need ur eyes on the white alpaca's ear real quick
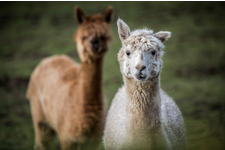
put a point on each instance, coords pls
(163, 35)
(123, 30)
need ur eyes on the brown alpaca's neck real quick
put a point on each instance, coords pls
(91, 80)
(143, 103)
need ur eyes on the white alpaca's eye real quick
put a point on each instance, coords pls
(128, 53)
(153, 53)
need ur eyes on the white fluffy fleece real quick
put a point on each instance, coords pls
(143, 39)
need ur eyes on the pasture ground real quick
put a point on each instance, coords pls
(193, 70)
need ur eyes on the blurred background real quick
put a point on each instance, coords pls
(193, 69)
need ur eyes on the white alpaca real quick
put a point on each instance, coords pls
(142, 116)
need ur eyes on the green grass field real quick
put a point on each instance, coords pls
(193, 69)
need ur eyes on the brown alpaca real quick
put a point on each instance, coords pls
(67, 98)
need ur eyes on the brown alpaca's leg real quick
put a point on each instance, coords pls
(68, 145)
(91, 144)
(43, 133)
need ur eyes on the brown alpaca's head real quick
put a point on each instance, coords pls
(93, 35)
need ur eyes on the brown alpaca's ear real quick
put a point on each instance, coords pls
(79, 15)
(123, 30)
(108, 14)
(163, 35)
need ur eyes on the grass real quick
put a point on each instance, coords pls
(193, 69)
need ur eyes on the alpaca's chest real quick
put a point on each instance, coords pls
(137, 141)
(145, 139)
(142, 134)
(137, 136)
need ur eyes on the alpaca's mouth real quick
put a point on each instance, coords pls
(98, 51)
(141, 77)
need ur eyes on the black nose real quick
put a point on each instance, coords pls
(140, 67)
(95, 44)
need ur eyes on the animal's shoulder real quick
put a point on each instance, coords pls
(172, 116)
(173, 121)
(169, 108)
(117, 111)
(119, 101)
(115, 129)
(61, 65)
(58, 61)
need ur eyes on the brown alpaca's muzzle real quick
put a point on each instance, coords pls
(95, 44)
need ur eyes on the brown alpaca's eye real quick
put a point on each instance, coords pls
(128, 53)
(103, 38)
(153, 53)
(84, 38)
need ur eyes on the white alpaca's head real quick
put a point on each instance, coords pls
(141, 52)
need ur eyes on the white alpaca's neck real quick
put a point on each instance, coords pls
(144, 102)
(144, 112)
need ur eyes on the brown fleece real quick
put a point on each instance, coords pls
(67, 98)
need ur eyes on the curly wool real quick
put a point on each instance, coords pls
(143, 39)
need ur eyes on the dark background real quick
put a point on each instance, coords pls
(193, 70)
